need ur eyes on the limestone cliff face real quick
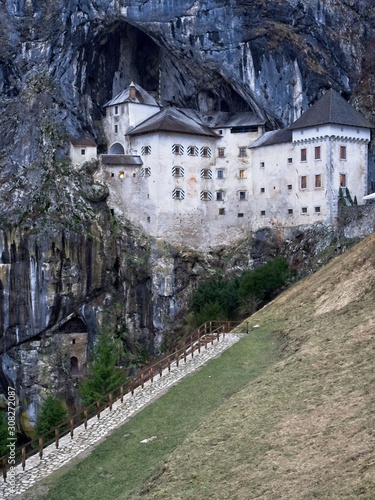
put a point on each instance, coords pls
(63, 255)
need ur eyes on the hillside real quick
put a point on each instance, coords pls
(300, 426)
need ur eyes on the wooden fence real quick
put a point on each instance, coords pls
(205, 334)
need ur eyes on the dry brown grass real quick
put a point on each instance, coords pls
(306, 428)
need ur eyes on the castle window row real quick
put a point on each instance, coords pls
(205, 152)
(318, 154)
(303, 182)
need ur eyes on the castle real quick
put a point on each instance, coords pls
(209, 179)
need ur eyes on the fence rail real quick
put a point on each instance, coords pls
(204, 335)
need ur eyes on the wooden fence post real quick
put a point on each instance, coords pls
(57, 437)
(169, 364)
(192, 347)
(176, 357)
(40, 447)
(23, 458)
(160, 369)
(151, 374)
(184, 347)
(110, 401)
(85, 418)
(122, 393)
(199, 341)
(98, 409)
(71, 423)
(142, 380)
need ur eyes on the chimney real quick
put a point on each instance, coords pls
(132, 91)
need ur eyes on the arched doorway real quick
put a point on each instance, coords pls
(116, 149)
(74, 369)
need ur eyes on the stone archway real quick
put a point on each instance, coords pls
(116, 149)
(74, 367)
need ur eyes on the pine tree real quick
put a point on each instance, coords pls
(104, 377)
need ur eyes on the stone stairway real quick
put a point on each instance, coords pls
(85, 440)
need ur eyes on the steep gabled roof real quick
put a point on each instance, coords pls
(172, 120)
(141, 97)
(273, 137)
(331, 109)
(83, 141)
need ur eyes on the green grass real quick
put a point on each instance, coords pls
(121, 466)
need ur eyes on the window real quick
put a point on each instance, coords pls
(220, 174)
(242, 195)
(145, 150)
(192, 151)
(178, 171)
(112, 174)
(83, 151)
(290, 187)
(206, 196)
(116, 110)
(342, 180)
(303, 154)
(317, 210)
(178, 194)
(240, 214)
(290, 160)
(146, 172)
(242, 174)
(148, 219)
(303, 182)
(221, 211)
(317, 153)
(206, 152)
(116, 129)
(290, 211)
(206, 173)
(121, 174)
(262, 213)
(342, 152)
(262, 190)
(219, 195)
(177, 149)
(221, 152)
(261, 164)
(304, 210)
(242, 152)
(318, 181)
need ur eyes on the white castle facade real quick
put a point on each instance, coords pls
(206, 180)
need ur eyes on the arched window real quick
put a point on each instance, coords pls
(116, 149)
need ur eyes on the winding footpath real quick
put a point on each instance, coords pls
(85, 440)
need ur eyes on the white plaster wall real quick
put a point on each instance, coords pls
(78, 158)
(344, 132)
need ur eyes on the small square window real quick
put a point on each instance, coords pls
(262, 190)
(121, 174)
(242, 174)
(342, 180)
(242, 152)
(112, 174)
(342, 152)
(83, 151)
(240, 214)
(221, 211)
(262, 213)
(290, 187)
(206, 152)
(221, 152)
(220, 174)
(303, 182)
(290, 211)
(290, 160)
(317, 210)
(219, 195)
(73, 341)
(242, 195)
(303, 154)
(261, 164)
(304, 210)
(317, 153)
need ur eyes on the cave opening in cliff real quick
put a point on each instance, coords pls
(120, 55)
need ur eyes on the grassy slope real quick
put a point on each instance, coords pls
(299, 427)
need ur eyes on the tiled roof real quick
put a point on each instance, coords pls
(141, 97)
(331, 109)
(273, 137)
(172, 120)
(124, 160)
(83, 141)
